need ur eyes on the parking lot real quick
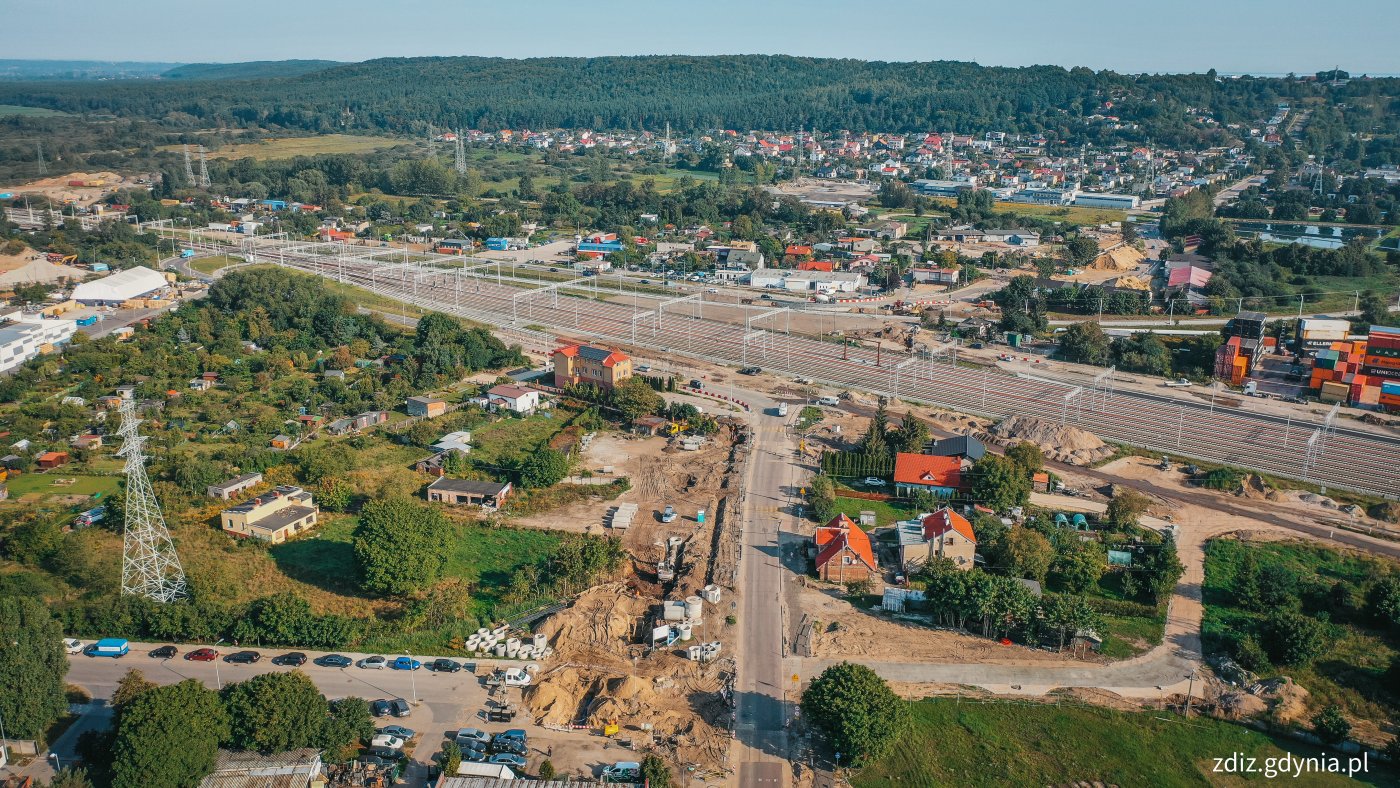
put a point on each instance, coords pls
(440, 703)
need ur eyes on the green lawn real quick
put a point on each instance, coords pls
(43, 483)
(291, 147)
(1018, 744)
(500, 444)
(208, 265)
(32, 112)
(886, 512)
(1350, 673)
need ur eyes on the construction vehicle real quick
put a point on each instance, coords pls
(61, 259)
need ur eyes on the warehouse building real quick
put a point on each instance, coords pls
(122, 286)
(28, 336)
(821, 281)
(1117, 202)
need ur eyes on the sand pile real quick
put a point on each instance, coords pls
(1060, 442)
(1118, 258)
(1132, 283)
(1240, 705)
(1287, 700)
(1254, 488)
(598, 627)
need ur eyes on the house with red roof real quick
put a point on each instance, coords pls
(602, 367)
(948, 534)
(844, 552)
(941, 476)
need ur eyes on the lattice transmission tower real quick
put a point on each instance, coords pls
(189, 170)
(461, 151)
(150, 567)
(203, 169)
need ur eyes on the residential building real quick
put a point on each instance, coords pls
(948, 534)
(226, 490)
(935, 275)
(291, 769)
(844, 552)
(579, 364)
(941, 476)
(51, 459)
(964, 447)
(274, 516)
(469, 491)
(425, 406)
(513, 398)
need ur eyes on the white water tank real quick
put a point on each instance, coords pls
(685, 631)
(692, 653)
(540, 641)
(711, 594)
(500, 631)
(694, 608)
(483, 632)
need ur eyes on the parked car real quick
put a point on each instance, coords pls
(334, 661)
(389, 754)
(874, 481)
(518, 734)
(386, 740)
(444, 666)
(243, 657)
(830, 402)
(164, 652)
(202, 655)
(473, 734)
(294, 658)
(713, 290)
(380, 708)
(767, 296)
(475, 756)
(507, 745)
(750, 371)
(399, 707)
(73, 646)
(405, 663)
(373, 663)
(622, 771)
(399, 731)
(510, 759)
(375, 760)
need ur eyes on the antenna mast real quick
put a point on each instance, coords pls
(150, 567)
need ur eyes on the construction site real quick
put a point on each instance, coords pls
(648, 661)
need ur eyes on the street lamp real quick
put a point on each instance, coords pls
(412, 682)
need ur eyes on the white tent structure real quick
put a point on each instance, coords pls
(119, 287)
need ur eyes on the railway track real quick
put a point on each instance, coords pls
(1336, 457)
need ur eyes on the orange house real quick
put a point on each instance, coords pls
(844, 553)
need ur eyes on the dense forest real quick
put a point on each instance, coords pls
(694, 93)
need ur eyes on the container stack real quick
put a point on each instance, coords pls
(1390, 395)
(1231, 363)
(1382, 353)
(1316, 334)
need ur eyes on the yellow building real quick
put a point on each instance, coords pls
(577, 364)
(274, 516)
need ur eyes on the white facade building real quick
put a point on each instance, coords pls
(25, 339)
(119, 287)
(820, 281)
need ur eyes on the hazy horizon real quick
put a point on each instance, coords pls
(1273, 37)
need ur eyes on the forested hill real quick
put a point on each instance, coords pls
(767, 92)
(257, 69)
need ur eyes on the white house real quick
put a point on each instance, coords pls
(513, 398)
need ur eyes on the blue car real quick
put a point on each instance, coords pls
(405, 663)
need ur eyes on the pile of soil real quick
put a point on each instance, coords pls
(1060, 442)
(1253, 487)
(1119, 258)
(1238, 705)
(1132, 283)
(595, 628)
(1386, 512)
(1287, 701)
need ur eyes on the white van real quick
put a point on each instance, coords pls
(622, 771)
(829, 401)
(782, 409)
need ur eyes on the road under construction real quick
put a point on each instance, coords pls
(536, 315)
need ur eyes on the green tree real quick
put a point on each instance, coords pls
(1293, 639)
(68, 777)
(547, 770)
(821, 497)
(655, 772)
(635, 397)
(1066, 614)
(545, 468)
(1081, 250)
(349, 723)
(169, 737)
(32, 667)
(1086, 343)
(450, 757)
(1162, 570)
(1078, 565)
(856, 711)
(275, 712)
(130, 687)
(1330, 725)
(1027, 456)
(999, 483)
(1025, 553)
(912, 435)
(1126, 507)
(1383, 601)
(401, 545)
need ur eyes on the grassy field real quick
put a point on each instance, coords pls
(886, 512)
(1018, 744)
(31, 112)
(508, 440)
(291, 147)
(43, 483)
(1350, 672)
(208, 265)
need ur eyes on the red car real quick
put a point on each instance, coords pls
(203, 655)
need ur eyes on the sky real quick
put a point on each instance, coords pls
(1232, 36)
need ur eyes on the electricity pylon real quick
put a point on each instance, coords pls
(150, 567)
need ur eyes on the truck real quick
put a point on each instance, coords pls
(1179, 383)
(111, 647)
(186, 254)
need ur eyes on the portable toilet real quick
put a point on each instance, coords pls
(700, 516)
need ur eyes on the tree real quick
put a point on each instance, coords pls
(169, 737)
(68, 777)
(32, 667)
(1383, 601)
(635, 397)
(1078, 565)
(130, 687)
(349, 723)
(1293, 639)
(401, 545)
(1086, 343)
(999, 483)
(912, 435)
(1025, 553)
(821, 496)
(1081, 250)
(1126, 506)
(450, 757)
(856, 711)
(275, 712)
(1374, 310)
(655, 772)
(1067, 614)
(1027, 456)
(547, 770)
(545, 468)
(1277, 587)
(1162, 570)
(1330, 726)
